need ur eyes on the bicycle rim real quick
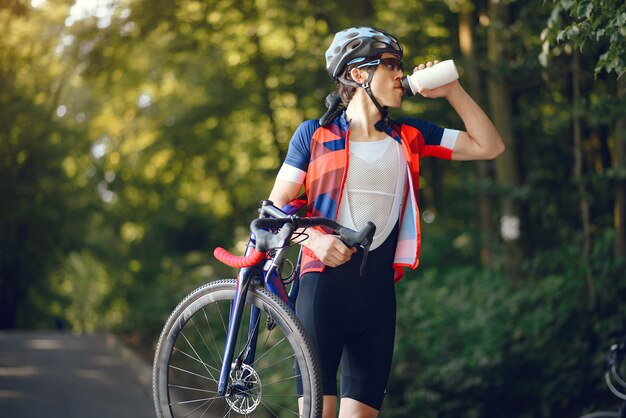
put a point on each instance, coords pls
(189, 356)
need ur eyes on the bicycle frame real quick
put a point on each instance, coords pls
(267, 272)
(270, 271)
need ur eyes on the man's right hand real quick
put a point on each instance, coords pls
(328, 248)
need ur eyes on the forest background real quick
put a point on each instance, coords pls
(135, 136)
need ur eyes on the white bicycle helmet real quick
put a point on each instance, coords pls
(358, 44)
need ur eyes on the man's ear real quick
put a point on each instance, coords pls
(358, 75)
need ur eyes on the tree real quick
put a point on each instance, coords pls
(513, 223)
(44, 207)
(590, 24)
(136, 138)
(620, 177)
(587, 25)
(467, 39)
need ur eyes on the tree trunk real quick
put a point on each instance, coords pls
(619, 211)
(485, 212)
(578, 176)
(259, 62)
(508, 174)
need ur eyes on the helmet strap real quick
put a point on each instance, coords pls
(384, 123)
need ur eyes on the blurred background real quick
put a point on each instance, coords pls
(137, 135)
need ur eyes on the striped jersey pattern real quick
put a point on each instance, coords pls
(320, 156)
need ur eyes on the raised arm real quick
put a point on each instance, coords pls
(480, 140)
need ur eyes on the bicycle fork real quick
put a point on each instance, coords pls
(243, 285)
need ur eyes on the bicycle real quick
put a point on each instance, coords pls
(613, 380)
(236, 345)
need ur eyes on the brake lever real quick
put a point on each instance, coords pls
(362, 239)
(365, 244)
(266, 240)
(366, 251)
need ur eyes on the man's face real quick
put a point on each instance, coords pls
(387, 82)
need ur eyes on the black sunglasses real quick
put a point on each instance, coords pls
(392, 64)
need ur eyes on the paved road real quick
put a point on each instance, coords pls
(58, 375)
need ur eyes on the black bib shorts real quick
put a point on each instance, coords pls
(351, 321)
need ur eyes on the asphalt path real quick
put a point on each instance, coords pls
(60, 375)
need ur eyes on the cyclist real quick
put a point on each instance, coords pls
(359, 165)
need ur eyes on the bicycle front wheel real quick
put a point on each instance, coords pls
(189, 356)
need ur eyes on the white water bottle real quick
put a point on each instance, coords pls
(430, 77)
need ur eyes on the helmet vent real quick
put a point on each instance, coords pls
(379, 45)
(358, 44)
(354, 44)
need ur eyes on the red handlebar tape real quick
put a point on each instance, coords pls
(238, 261)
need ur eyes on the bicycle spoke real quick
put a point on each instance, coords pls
(202, 338)
(208, 402)
(227, 412)
(206, 319)
(193, 374)
(249, 341)
(280, 381)
(266, 404)
(178, 350)
(190, 357)
(266, 352)
(219, 311)
(259, 371)
(193, 389)
(196, 353)
(205, 409)
(194, 401)
(205, 401)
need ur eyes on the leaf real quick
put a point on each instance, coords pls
(573, 31)
(599, 34)
(585, 9)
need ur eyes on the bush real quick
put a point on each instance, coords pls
(472, 344)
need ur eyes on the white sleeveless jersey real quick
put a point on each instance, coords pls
(374, 187)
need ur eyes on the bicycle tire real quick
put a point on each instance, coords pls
(186, 370)
(601, 414)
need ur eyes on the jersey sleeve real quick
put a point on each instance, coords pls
(438, 142)
(296, 162)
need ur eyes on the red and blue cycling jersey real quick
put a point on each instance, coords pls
(319, 157)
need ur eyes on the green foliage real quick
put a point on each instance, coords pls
(82, 283)
(135, 139)
(588, 24)
(44, 210)
(535, 350)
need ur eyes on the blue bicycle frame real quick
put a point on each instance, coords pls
(268, 269)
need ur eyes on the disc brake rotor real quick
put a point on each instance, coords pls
(244, 393)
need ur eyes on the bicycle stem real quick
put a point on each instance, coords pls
(268, 208)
